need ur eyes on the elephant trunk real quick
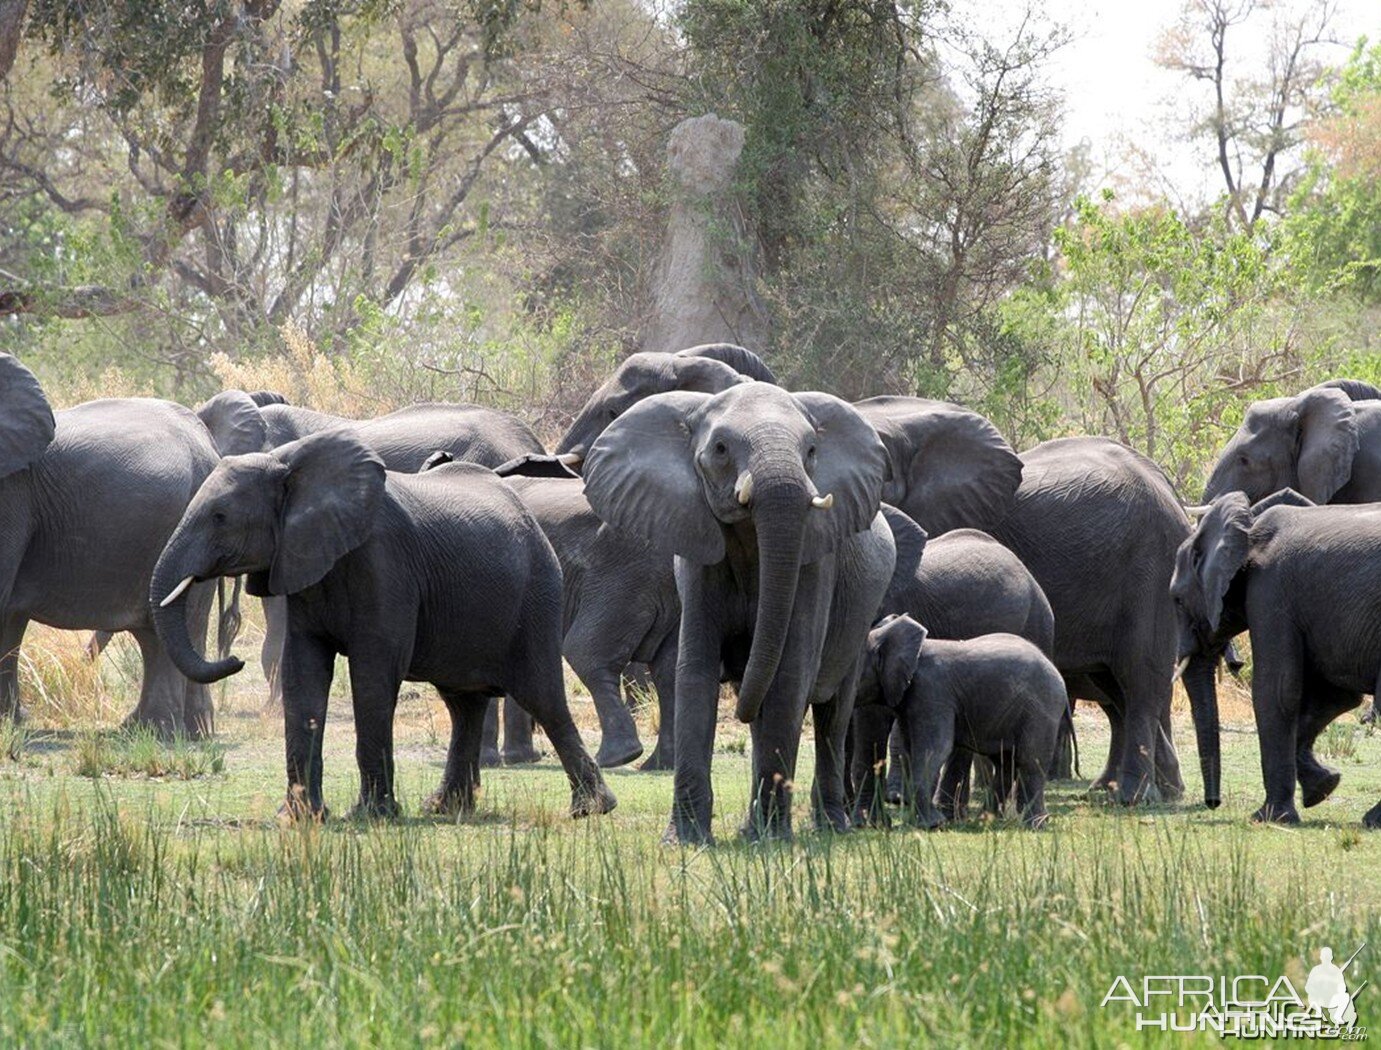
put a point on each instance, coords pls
(1199, 683)
(179, 563)
(779, 511)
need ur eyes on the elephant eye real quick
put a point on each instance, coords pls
(218, 517)
(613, 414)
(719, 448)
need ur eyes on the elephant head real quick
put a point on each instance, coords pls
(890, 660)
(1306, 443)
(950, 468)
(27, 425)
(706, 369)
(283, 517)
(791, 475)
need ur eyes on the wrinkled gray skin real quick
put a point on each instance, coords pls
(442, 578)
(241, 422)
(1305, 581)
(777, 589)
(89, 495)
(996, 695)
(1078, 512)
(620, 607)
(1324, 443)
(960, 585)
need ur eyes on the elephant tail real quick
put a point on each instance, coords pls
(1073, 737)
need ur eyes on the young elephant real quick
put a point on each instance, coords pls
(442, 577)
(996, 695)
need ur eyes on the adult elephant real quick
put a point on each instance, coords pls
(91, 494)
(770, 502)
(241, 423)
(1306, 582)
(1324, 443)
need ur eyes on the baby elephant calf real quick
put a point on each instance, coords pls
(996, 695)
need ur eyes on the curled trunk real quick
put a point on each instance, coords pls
(779, 517)
(1199, 683)
(175, 565)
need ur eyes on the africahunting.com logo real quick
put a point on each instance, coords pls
(1247, 1006)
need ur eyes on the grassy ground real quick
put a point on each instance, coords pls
(147, 897)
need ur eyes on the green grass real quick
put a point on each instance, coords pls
(170, 909)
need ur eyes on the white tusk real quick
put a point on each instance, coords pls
(824, 502)
(570, 459)
(743, 491)
(1198, 511)
(176, 592)
(1179, 669)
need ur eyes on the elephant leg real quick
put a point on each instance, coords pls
(930, 736)
(618, 743)
(1030, 789)
(873, 727)
(829, 803)
(1169, 781)
(12, 628)
(518, 748)
(1320, 706)
(489, 748)
(697, 705)
(375, 678)
(1062, 763)
(1103, 690)
(898, 767)
(96, 644)
(1277, 684)
(663, 668)
(776, 735)
(271, 653)
(308, 668)
(1001, 775)
(461, 780)
(163, 692)
(198, 712)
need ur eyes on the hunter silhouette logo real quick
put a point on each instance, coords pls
(1247, 1006)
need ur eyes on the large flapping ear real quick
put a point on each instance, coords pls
(899, 651)
(950, 468)
(1355, 389)
(640, 476)
(850, 466)
(1283, 498)
(26, 419)
(740, 359)
(535, 465)
(910, 539)
(332, 492)
(1327, 442)
(1221, 545)
(237, 426)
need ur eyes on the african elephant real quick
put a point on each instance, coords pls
(770, 502)
(442, 577)
(242, 422)
(1305, 581)
(960, 585)
(1324, 443)
(996, 695)
(90, 494)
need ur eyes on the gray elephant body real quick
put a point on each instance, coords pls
(1305, 581)
(620, 608)
(85, 516)
(770, 502)
(443, 578)
(997, 696)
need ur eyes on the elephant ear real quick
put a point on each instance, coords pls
(900, 653)
(950, 468)
(850, 465)
(26, 419)
(704, 375)
(535, 465)
(910, 539)
(740, 359)
(332, 492)
(237, 426)
(1283, 498)
(1355, 389)
(1327, 442)
(640, 477)
(1221, 545)
(439, 458)
(267, 397)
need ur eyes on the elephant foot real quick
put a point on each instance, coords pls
(757, 831)
(489, 758)
(660, 759)
(453, 803)
(1137, 791)
(166, 729)
(1036, 821)
(1318, 787)
(613, 753)
(1276, 813)
(591, 802)
(1372, 819)
(833, 818)
(375, 809)
(933, 820)
(686, 833)
(297, 810)
(523, 756)
(1170, 790)
(874, 816)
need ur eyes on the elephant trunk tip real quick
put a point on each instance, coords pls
(1212, 802)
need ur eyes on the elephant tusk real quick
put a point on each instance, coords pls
(176, 592)
(570, 459)
(1179, 669)
(743, 491)
(824, 502)
(1198, 511)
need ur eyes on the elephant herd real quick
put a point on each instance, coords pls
(891, 567)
